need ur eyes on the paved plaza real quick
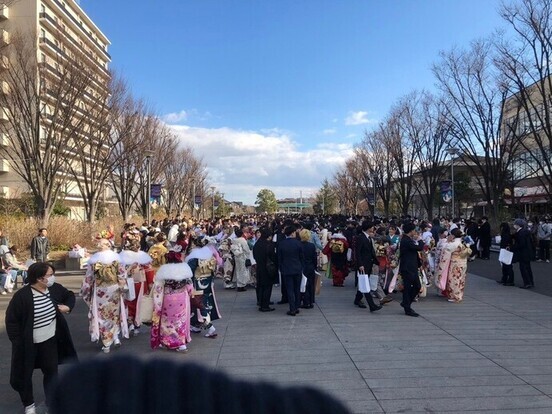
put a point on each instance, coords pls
(493, 353)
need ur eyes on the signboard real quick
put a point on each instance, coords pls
(370, 199)
(446, 191)
(198, 200)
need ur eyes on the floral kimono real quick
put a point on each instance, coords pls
(103, 295)
(171, 306)
(204, 304)
(451, 270)
(135, 264)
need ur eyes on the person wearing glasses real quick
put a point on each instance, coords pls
(38, 331)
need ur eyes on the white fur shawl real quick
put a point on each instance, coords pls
(129, 257)
(202, 253)
(338, 236)
(105, 257)
(174, 271)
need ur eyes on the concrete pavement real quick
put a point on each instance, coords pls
(492, 353)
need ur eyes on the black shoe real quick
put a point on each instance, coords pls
(297, 311)
(309, 306)
(500, 282)
(376, 308)
(360, 305)
(509, 284)
(266, 309)
(290, 313)
(402, 304)
(282, 302)
(525, 287)
(411, 313)
(241, 289)
(271, 303)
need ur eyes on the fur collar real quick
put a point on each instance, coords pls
(105, 257)
(129, 257)
(338, 236)
(202, 253)
(174, 271)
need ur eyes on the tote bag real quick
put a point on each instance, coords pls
(363, 283)
(131, 294)
(374, 280)
(303, 287)
(146, 308)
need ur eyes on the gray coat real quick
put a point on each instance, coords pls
(40, 248)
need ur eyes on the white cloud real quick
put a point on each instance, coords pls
(176, 117)
(358, 118)
(329, 131)
(240, 163)
(186, 115)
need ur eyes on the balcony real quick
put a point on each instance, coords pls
(4, 63)
(4, 192)
(4, 140)
(4, 166)
(4, 88)
(4, 12)
(3, 115)
(4, 38)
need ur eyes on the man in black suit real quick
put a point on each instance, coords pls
(366, 259)
(523, 251)
(485, 238)
(408, 267)
(291, 263)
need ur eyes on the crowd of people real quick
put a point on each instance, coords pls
(163, 274)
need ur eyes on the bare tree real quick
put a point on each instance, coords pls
(42, 105)
(128, 156)
(93, 161)
(181, 173)
(430, 138)
(158, 139)
(525, 63)
(345, 187)
(474, 96)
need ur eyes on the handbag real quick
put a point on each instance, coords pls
(303, 287)
(131, 292)
(374, 280)
(146, 308)
(318, 283)
(363, 283)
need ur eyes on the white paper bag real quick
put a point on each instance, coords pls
(363, 283)
(146, 308)
(303, 288)
(374, 280)
(131, 295)
(8, 284)
(505, 256)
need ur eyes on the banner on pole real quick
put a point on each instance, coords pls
(446, 191)
(198, 200)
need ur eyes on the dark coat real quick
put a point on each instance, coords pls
(523, 246)
(309, 254)
(290, 257)
(40, 248)
(506, 240)
(265, 256)
(19, 326)
(485, 234)
(365, 254)
(409, 259)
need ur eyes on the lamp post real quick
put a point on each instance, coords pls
(148, 154)
(452, 152)
(374, 185)
(213, 200)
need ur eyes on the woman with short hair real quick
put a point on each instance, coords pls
(38, 331)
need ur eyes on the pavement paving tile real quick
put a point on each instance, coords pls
(493, 353)
(455, 392)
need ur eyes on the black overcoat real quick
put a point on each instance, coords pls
(19, 326)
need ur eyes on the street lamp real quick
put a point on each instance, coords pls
(148, 154)
(374, 185)
(452, 152)
(213, 194)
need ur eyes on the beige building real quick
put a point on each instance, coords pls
(61, 28)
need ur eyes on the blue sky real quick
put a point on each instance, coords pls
(274, 93)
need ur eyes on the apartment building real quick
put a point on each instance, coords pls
(61, 30)
(524, 118)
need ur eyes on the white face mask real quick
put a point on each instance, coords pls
(50, 281)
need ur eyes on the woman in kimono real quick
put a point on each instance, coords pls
(203, 263)
(171, 304)
(439, 277)
(336, 251)
(136, 262)
(102, 290)
(454, 262)
(241, 252)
